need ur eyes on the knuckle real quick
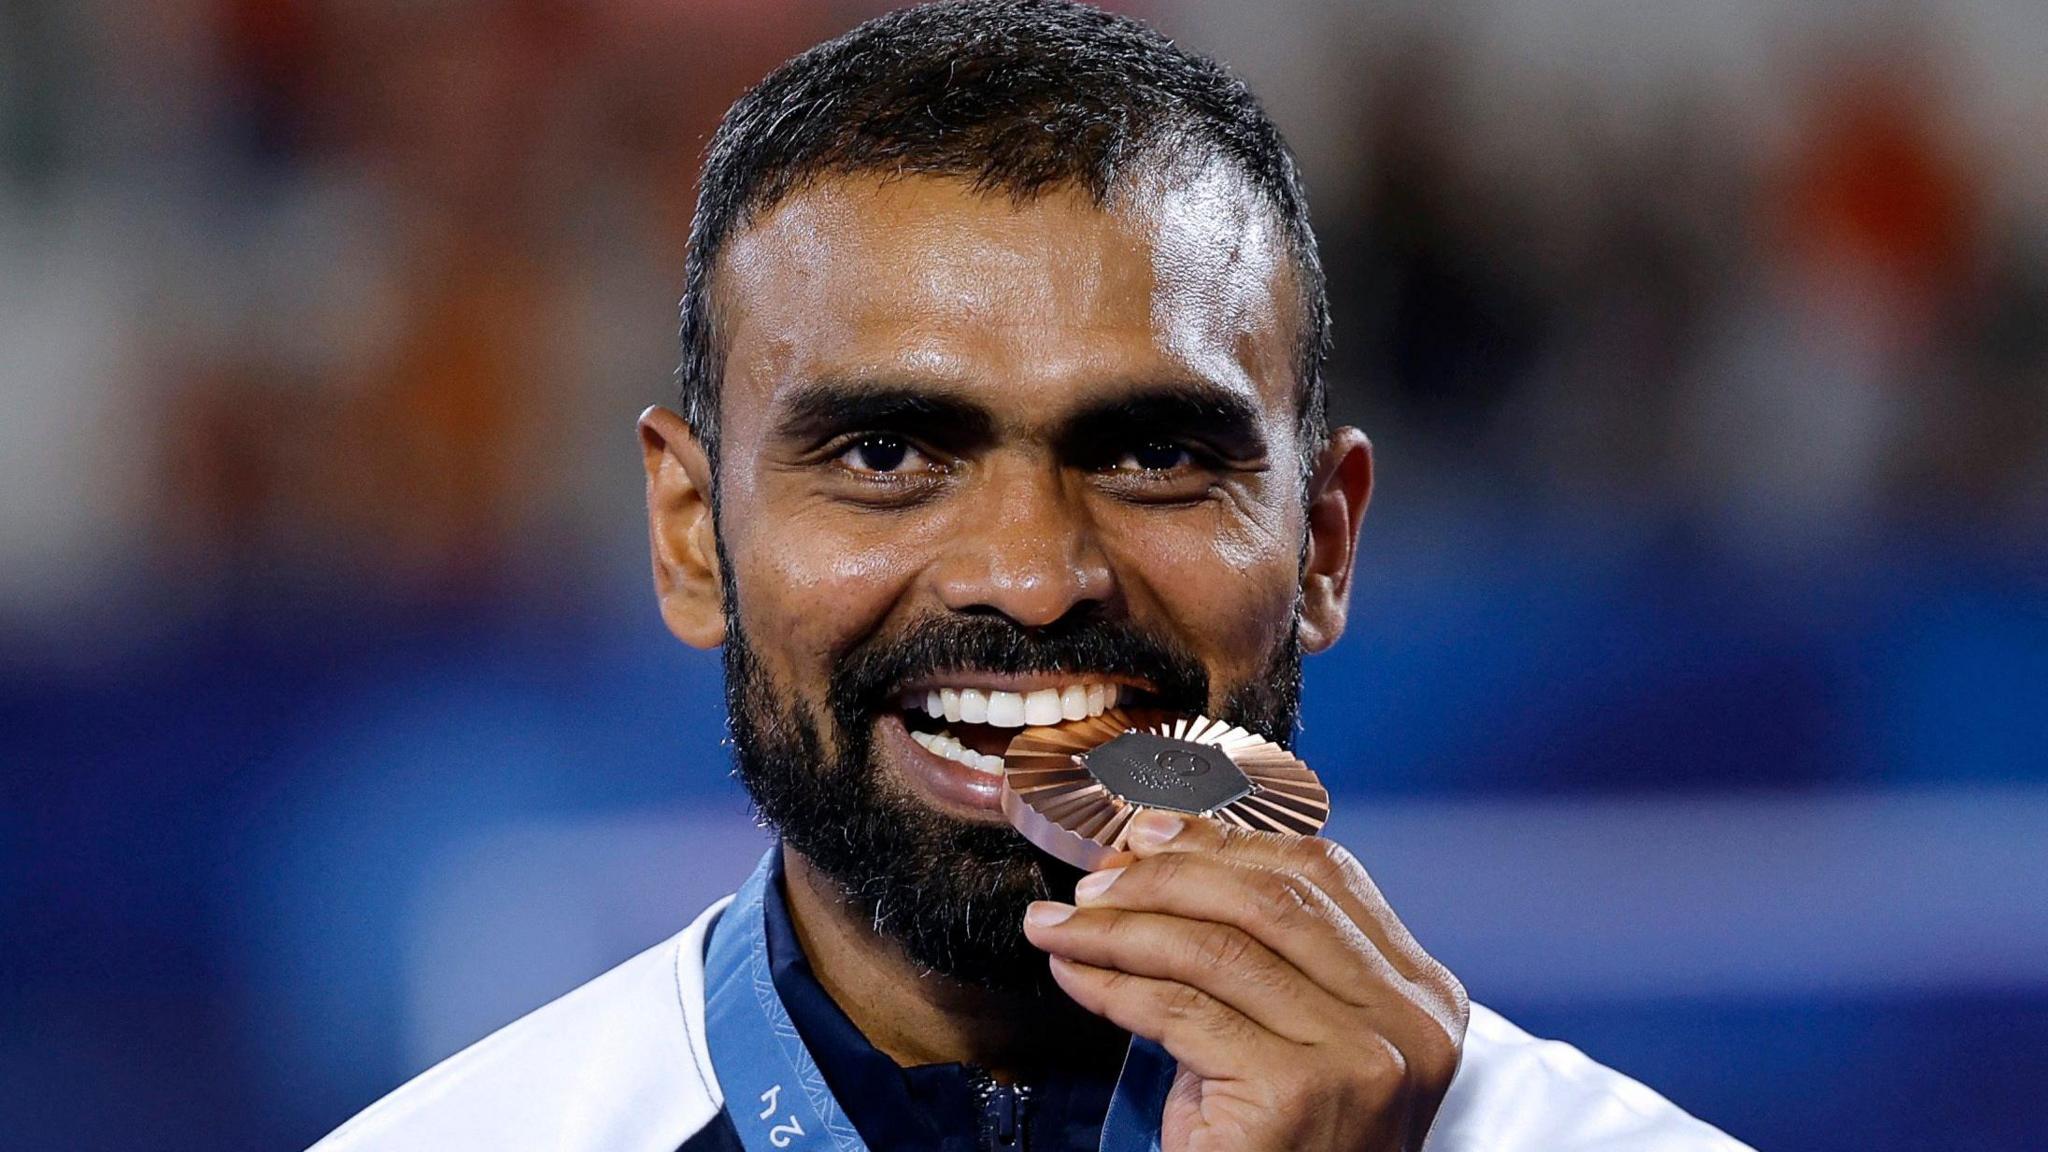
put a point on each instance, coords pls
(1288, 899)
(1333, 852)
(1440, 990)
(1121, 931)
(1453, 990)
(1432, 1041)
(1448, 1038)
(1161, 873)
(1277, 903)
(1182, 1002)
(1220, 946)
(1115, 984)
(1331, 865)
(1384, 1070)
(1436, 1058)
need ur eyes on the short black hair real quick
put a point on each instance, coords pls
(1015, 96)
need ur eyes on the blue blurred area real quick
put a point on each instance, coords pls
(1930, 1070)
(1531, 655)
(218, 854)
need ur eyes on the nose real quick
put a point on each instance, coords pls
(1027, 549)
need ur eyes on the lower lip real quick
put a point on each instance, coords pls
(944, 783)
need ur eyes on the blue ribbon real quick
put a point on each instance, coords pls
(1139, 1100)
(774, 1093)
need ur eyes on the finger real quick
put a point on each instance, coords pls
(1300, 922)
(1219, 959)
(1209, 1038)
(1325, 863)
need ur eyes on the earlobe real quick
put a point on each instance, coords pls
(687, 580)
(1339, 490)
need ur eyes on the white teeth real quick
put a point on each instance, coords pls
(1042, 707)
(1017, 709)
(945, 744)
(1005, 710)
(1074, 702)
(974, 706)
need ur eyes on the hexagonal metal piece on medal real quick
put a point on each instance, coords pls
(1073, 788)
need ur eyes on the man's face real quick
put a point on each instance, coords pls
(974, 451)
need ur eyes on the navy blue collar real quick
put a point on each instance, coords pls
(927, 1108)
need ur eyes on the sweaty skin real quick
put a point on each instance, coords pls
(1303, 1014)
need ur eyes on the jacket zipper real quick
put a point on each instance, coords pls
(1005, 1114)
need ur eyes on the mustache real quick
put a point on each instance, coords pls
(870, 676)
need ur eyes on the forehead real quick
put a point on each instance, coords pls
(1030, 302)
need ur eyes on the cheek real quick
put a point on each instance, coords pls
(1228, 590)
(809, 589)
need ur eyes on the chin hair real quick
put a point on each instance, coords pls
(951, 894)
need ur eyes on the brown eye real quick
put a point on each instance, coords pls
(1155, 456)
(879, 454)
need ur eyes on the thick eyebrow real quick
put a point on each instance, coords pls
(1214, 417)
(823, 409)
(1209, 415)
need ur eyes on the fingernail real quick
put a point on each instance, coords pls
(1154, 828)
(1095, 884)
(1046, 913)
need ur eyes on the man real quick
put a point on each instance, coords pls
(1001, 388)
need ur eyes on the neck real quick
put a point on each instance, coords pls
(917, 1017)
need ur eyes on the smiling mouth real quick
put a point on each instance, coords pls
(973, 726)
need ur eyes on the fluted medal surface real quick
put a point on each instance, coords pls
(1072, 788)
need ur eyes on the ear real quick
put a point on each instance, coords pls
(687, 581)
(1338, 492)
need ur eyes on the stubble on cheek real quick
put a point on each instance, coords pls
(1229, 594)
(808, 601)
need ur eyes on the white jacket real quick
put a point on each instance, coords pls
(621, 1065)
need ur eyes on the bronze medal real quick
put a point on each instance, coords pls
(1072, 788)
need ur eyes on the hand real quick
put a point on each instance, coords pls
(1303, 1015)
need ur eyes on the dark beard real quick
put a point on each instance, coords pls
(951, 893)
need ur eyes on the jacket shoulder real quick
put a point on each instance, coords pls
(1517, 1093)
(619, 1063)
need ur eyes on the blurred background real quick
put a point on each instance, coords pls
(1696, 709)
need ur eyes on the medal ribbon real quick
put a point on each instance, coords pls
(773, 1090)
